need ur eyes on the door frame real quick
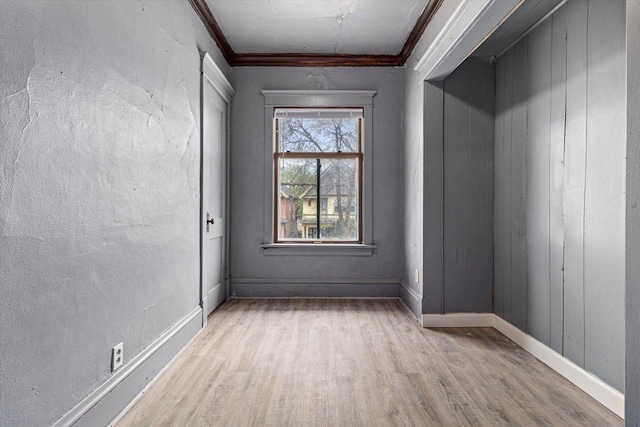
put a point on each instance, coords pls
(210, 72)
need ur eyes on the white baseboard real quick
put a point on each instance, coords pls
(458, 320)
(589, 383)
(586, 381)
(115, 394)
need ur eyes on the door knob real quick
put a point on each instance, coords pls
(210, 221)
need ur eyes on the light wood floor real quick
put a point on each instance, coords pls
(355, 363)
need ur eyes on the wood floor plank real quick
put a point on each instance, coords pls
(316, 362)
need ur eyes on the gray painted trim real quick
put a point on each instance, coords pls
(151, 383)
(214, 74)
(276, 281)
(323, 249)
(367, 175)
(411, 300)
(632, 255)
(318, 98)
(433, 275)
(269, 187)
(315, 288)
(108, 400)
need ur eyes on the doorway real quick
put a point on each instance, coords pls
(216, 104)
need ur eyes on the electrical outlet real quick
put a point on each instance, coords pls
(117, 356)
(417, 276)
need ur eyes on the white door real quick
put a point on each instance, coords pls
(214, 147)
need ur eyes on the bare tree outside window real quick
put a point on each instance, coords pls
(318, 162)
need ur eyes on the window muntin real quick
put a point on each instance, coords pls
(318, 148)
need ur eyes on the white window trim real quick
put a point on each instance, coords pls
(319, 99)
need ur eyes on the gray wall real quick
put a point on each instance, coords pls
(415, 208)
(457, 206)
(458, 190)
(253, 273)
(560, 185)
(433, 226)
(468, 188)
(423, 174)
(413, 187)
(99, 191)
(632, 324)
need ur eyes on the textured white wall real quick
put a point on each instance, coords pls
(99, 191)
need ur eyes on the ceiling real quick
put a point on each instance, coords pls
(341, 32)
(316, 32)
(374, 27)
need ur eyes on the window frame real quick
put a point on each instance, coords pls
(361, 99)
(278, 155)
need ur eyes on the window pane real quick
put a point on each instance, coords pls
(321, 134)
(297, 179)
(339, 184)
(299, 211)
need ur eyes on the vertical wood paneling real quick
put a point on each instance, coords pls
(539, 81)
(480, 152)
(433, 196)
(457, 214)
(518, 184)
(564, 155)
(499, 219)
(574, 179)
(506, 189)
(556, 178)
(468, 184)
(604, 195)
(632, 269)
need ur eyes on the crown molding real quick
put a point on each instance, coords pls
(423, 21)
(312, 60)
(203, 11)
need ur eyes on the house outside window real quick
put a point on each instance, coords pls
(319, 149)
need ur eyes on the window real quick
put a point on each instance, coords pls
(318, 156)
(292, 170)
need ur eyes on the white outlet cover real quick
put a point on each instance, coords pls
(417, 275)
(117, 356)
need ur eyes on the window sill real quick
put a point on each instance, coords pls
(318, 249)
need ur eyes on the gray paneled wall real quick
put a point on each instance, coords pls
(467, 273)
(458, 190)
(433, 238)
(559, 185)
(632, 384)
